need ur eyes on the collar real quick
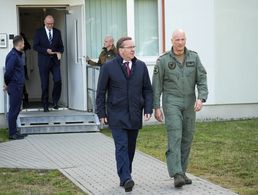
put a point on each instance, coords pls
(173, 54)
(120, 59)
(47, 30)
(112, 49)
(18, 52)
(127, 61)
(130, 63)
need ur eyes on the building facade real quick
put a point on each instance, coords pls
(224, 33)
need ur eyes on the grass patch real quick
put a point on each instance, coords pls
(20, 181)
(24, 181)
(3, 135)
(225, 153)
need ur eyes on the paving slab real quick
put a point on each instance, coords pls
(88, 160)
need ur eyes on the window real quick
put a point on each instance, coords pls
(104, 17)
(136, 18)
(146, 27)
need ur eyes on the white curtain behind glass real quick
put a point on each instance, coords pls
(104, 17)
(146, 27)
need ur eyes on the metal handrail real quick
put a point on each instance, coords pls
(92, 88)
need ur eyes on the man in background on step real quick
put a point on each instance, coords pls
(49, 45)
(108, 52)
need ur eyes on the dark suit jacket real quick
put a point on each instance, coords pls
(127, 96)
(14, 70)
(41, 44)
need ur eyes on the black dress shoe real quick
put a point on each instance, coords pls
(16, 137)
(187, 179)
(46, 109)
(56, 107)
(179, 180)
(128, 185)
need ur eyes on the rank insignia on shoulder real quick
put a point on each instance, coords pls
(171, 65)
(156, 70)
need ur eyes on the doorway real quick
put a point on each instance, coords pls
(30, 19)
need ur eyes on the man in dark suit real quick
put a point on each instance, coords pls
(14, 81)
(48, 43)
(126, 81)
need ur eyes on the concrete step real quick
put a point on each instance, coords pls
(60, 121)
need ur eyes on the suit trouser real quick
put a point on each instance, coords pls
(125, 144)
(180, 124)
(44, 71)
(15, 92)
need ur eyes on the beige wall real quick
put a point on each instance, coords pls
(224, 33)
(236, 57)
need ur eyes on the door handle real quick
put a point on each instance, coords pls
(82, 59)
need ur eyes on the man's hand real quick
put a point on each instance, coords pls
(198, 105)
(147, 117)
(103, 121)
(158, 115)
(58, 55)
(49, 51)
(4, 87)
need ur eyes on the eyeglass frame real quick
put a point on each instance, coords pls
(129, 47)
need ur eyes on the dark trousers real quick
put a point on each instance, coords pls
(15, 93)
(125, 144)
(44, 71)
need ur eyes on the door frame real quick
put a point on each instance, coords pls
(65, 7)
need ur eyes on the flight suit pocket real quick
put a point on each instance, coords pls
(190, 69)
(172, 75)
(190, 72)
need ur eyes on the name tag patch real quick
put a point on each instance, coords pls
(189, 64)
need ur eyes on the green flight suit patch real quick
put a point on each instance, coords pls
(156, 70)
(171, 65)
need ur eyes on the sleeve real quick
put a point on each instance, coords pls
(101, 92)
(157, 84)
(100, 61)
(36, 44)
(147, 92)
(60, 43)
(92, 63)
(201, 80)
(9, 69)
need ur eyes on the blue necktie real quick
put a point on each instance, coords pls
(50, 37)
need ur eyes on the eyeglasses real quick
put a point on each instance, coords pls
(130, 47)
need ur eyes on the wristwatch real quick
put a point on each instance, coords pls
(203, 100)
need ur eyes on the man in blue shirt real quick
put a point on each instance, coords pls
(14, 81)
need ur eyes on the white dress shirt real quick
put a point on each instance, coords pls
(47, 31)
(130, 63)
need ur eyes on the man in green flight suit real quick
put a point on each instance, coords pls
(176, 75)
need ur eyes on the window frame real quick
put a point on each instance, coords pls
(131, 27)
(130, 19)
